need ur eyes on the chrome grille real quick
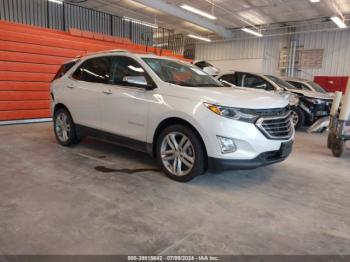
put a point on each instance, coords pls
(273, 112)
(279, 127)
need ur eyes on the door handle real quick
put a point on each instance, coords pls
(107, 92)
(70, 86)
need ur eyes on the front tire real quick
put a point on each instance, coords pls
(338, 146)
(298, 118)
(181, 153)
(64, 128)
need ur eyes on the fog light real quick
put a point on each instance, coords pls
(227, 145)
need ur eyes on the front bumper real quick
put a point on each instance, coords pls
(316, 110)
(321, 110)
(248, 138)
(263, 159)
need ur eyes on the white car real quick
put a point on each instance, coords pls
(307, 85)
(207, 67)
(309, 106)
(171, 110)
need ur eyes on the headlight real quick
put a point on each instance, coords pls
(240, 114)
(293, 100)
(315, 101)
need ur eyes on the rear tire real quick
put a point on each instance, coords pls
(181, 153)
(64, 128)
(338, 146)
(298, 118)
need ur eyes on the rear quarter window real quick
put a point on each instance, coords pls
(64, 69)
(94, 70)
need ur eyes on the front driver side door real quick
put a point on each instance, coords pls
(126, 106)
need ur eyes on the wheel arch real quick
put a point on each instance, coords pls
(59, 106)
(173, 121)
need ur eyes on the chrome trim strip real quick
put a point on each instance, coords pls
(25, 121)
(269, 133)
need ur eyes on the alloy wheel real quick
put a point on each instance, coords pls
(63, 127)
(177, 153)
(295, 118)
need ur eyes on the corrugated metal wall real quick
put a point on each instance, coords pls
(336, 57)
(336, 45)
(272, 47)
(64, 16)
(237, 49)
(24, 11)
(244, 51)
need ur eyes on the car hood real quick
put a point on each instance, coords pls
(312, 94)
(229, 96)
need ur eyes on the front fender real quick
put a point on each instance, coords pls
(191, 114)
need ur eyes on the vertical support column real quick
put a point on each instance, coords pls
(168, 44)
(111, 24)
(47, 14)
(289, 59)
(130, 30)
(292, 45)
(64, 16)
(294, 48)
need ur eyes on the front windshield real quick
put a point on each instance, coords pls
(281, 83)
(179, 73)
(317, 87)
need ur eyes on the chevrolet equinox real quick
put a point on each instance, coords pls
(170, 109)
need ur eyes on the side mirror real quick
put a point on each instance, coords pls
(136, 80)
(225, 83)
(262, 86)
(269, 88)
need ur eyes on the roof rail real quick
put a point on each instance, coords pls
(117, 50)
(108, 51)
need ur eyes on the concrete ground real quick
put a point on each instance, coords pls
(92, 199)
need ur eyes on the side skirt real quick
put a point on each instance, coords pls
(114, 139)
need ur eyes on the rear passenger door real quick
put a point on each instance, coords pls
(84, 93)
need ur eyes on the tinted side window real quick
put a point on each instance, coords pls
(94, 70)
(123, 66)
(231, 78)
(239, 79)
(296, 84)
(305, 87)
(63, 69)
